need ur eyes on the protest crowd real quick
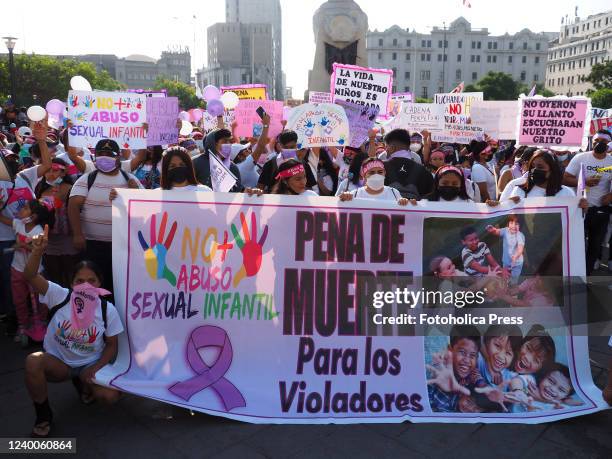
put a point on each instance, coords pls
(56, 204)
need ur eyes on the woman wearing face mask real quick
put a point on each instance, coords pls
(449, 186)
(353, 180)
(544, 179)
(373, 175)
(483, 173)
(81, 338)
(436, 161)
(54, 190)
(218, 143)
(291, 179)
(519, 173)
(177, 172)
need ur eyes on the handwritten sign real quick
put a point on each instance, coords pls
(319, 125)
(601, 118)
(457, 109)
(209, 122)
(395, 102)
(315, 97)
(361, 119)
(248, 91)
(247, 118)
(221, 178)
(418, 117)
(553, 121)
(363, 86)
(97, 115)
(497, 118)
(162, 113)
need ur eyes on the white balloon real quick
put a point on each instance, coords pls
(230, 100)
(186, 128)
(36, 113)
(79, 83)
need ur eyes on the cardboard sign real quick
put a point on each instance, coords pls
(553, 121)
(221, 177)
(248, 91)
(98, 115)
(361, 119)
(315, 97)
(246, 116)
(162, 113)
(209, 122)
(362, 86)
(457, 108)
(600, 119)
(497, 118)
(458, 133)
(418, 118)
(319, 125)
(395, 102)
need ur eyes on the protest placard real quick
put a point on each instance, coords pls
(361, 119)
(457, 108)
(395, 102)
(221, 177)
(150, 93)
(294, 296)
(497, 118)
(553, 121)
(319, 125)
(97, 115)
(361, 85)
(209, 122)
(162, 114)
(315, 97)
(248, 91)
(418, 118)
(247, 118)
(600, 119)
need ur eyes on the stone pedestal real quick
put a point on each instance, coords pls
(340, 28)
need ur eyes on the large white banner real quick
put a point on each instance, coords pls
(267, 309)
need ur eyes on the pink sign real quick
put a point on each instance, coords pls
(362, 86)
(553, 122)
(246, 116)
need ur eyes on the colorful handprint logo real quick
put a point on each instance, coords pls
(155, 252)
(249, 246)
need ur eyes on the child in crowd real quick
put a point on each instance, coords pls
(476, 256)
(513, 245)
(32, 217)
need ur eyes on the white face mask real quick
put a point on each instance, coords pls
(376, 182)
(415, 147)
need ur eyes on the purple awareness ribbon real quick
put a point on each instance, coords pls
(209, 336)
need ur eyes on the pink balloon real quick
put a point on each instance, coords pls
(215, 107)
(184, 116)
(211, 93)
(286, 111)
(197, 114)
(55, 106)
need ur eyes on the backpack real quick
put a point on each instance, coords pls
(103, 304)
(91, 178)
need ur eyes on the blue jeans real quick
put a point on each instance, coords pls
(6, 299)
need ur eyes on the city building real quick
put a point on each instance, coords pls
(239, 54)
(138, 71)
(426, 64)
(262, 12)
(580, 45)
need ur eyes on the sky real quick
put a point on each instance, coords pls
(149, 27)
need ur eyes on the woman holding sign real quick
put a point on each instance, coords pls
(81, 338)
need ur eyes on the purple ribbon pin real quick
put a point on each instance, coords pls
(209, 336)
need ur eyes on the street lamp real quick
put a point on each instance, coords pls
(10, 45)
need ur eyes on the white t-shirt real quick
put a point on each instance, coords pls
(248, 172)
(25, 182)
(342, 187)
(388, 194)
(21, 255)
(482, 174)
(505, 195)
(591, 164)
(539, 192)
(74, 347)
(309, 193)
(198, 187)
(96, 214)
(511, 241)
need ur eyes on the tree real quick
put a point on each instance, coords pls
(601, 75)
(496, 86)
(185, 93)
(602, 98)
(39, 79)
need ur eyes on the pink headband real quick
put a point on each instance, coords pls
(58, 167)
(371, 165)
(49, 205)
(445, 169)
(292, 172)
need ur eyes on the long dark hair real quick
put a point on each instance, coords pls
(155, 154)
(435, 195)
(44, 215)
(43, 186)
(181, 153)
(553, 185)
(281, 186)
(328, 165)
(355, 167)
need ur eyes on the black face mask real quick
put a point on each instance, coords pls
(448, 193)
(178, 174)
(347, 160)
(600, 148)
(538, 176)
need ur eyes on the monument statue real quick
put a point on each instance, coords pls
(340, 28)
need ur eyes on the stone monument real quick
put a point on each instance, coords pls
(340, 28)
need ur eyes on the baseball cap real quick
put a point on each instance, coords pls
(107, 145)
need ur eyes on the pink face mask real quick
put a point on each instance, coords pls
(83, 303)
